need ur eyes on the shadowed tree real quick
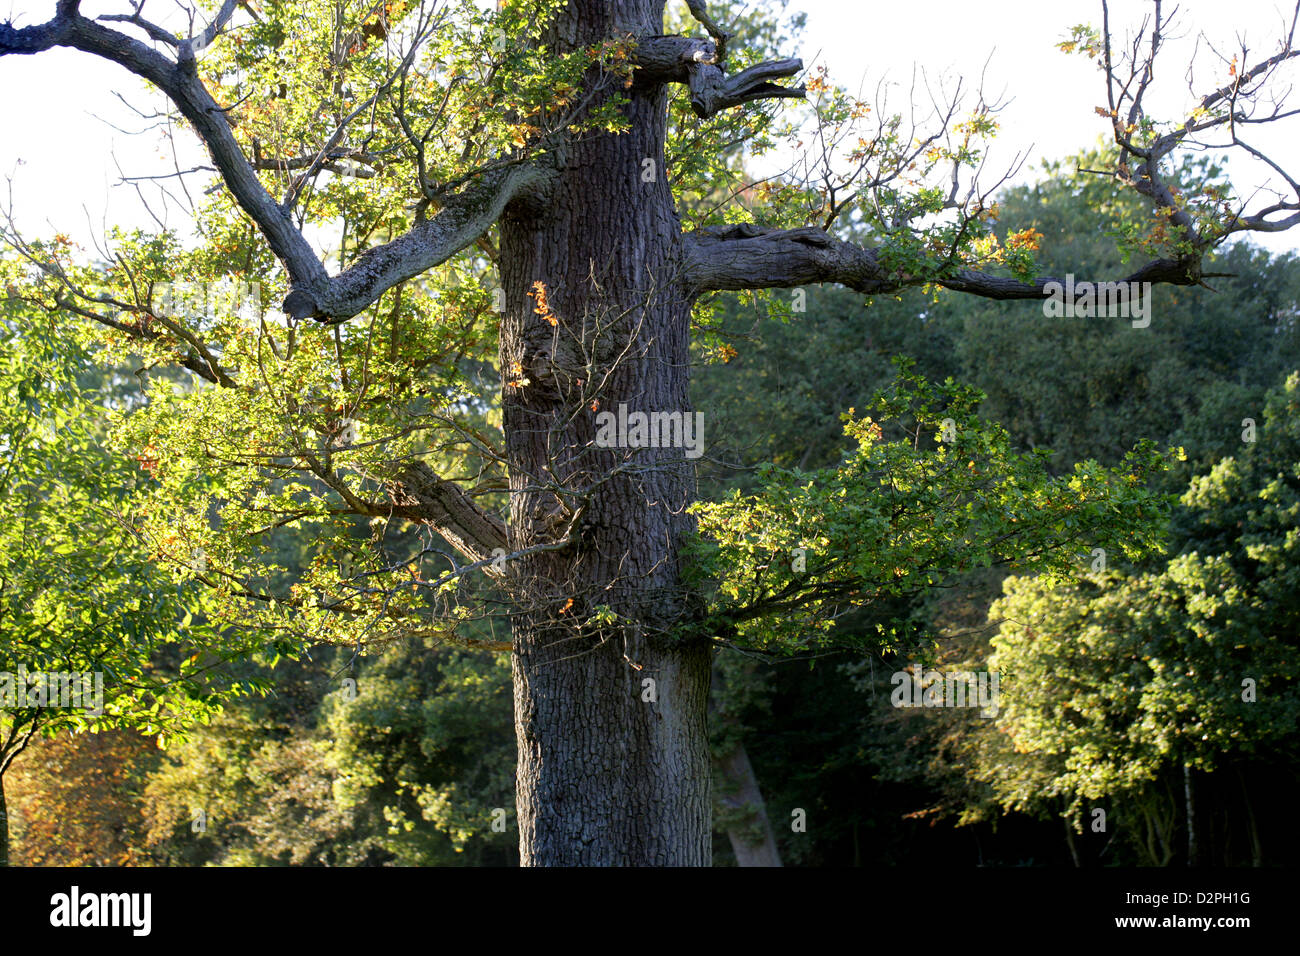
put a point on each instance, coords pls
(549, 141)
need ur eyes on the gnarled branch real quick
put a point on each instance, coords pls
(314, 293)
(756, 257)
(420, 495)
(675, 59)
(463, 218)
(712, 91)
(179, 80)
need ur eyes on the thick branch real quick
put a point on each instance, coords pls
(1157, 272)
(664, 59)
(420, 495)
(755, 257)
(712, 91)
(463, 218)
(675, 59)
(180, 81)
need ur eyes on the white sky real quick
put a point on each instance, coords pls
(68, 173)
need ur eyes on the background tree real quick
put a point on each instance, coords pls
(75, 800)
(1131, 681)
(78, 596)
(881, 780)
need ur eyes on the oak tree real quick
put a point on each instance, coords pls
(491, 228)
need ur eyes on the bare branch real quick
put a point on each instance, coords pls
(720, 36)
(755, 257)
(420, 495)
(1144, 149)
(674, 59)
(712, 91)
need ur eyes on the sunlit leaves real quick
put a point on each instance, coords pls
(1117, 678)
(903, 514)
(80, 592)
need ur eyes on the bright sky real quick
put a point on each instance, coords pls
(57, 106)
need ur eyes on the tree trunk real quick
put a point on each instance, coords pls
(1069, 841)
(751, 837)
(1256, 848)
(611, 719)
(1193, 855)
(4, 825)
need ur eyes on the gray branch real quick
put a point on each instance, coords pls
(675, 59)
(756, 257)
(748, 256)
(712, 91)
(314, 293)
(463, 218)
(420, 495)
(179, 80)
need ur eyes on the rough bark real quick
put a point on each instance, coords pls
(606, 776)
(749, 255)
(422, 496)
(696, 63)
